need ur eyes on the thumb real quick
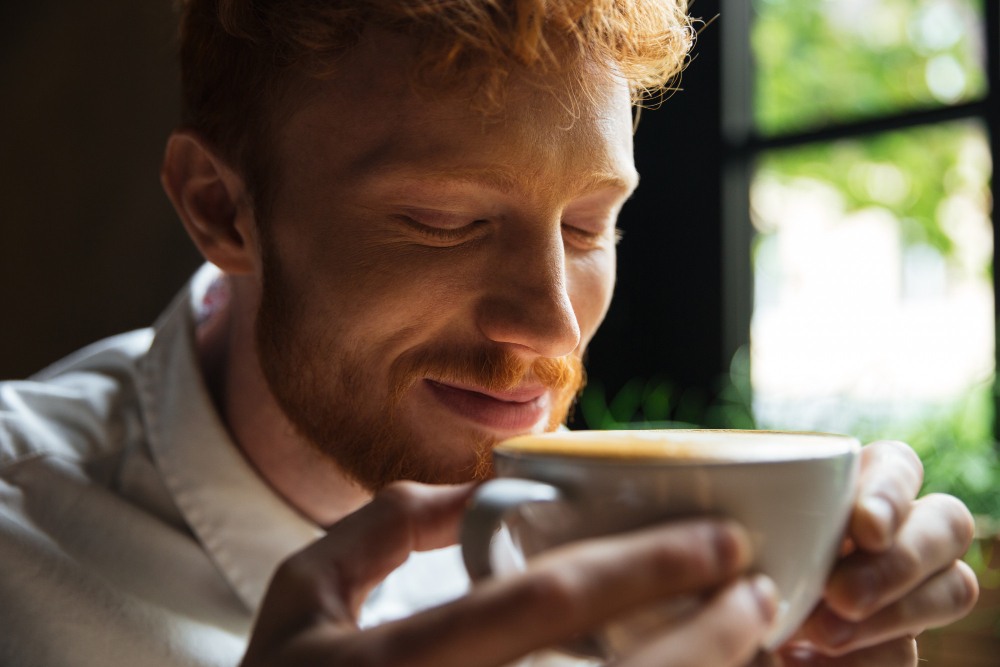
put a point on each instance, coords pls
(404, 517)
(331, 578)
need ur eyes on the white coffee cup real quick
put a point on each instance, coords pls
(792, 491)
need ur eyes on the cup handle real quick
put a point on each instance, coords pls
(486, 510)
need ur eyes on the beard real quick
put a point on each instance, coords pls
(332, 399)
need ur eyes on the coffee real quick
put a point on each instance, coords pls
(679, 446)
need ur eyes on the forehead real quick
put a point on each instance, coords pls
(369, 118)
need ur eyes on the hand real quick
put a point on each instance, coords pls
(902, 572)
(309, 613)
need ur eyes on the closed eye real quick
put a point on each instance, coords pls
(586, 239)
(442, 230)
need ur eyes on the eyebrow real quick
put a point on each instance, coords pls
(506, 181)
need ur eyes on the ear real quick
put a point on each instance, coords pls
(212, 202)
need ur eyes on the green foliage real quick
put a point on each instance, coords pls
(639, 403)
(954, 442)
(816, 65)
(929, 163)
(956, 446)
(657, 403)
(817, 62)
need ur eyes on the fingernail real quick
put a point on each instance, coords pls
(732, 546)
(881, 511)
(766, 594)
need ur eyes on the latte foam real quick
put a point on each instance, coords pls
(694, 446)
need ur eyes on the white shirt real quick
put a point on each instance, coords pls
(132, 530)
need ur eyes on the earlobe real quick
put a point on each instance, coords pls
(211, 200)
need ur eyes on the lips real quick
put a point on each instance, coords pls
(516, 410)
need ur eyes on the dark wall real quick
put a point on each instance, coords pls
(667, 317)
(89, 245)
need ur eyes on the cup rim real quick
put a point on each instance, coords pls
(695, 447)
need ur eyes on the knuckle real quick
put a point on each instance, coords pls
(397, 502)
(907, 454)
(297, 575)
(907, 563)
(710, 551)
(292, 570)
(705, 551)
(900, 451)
(552, 593)
(398, 495)
(730, 546)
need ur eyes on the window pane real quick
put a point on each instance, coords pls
(819, 61)
(873, 308)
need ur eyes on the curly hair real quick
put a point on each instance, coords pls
(241, 60)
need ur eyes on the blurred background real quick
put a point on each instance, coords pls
(812, 246)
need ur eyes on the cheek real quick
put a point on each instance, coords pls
(347, 273)
(592, 282)
(383, 297)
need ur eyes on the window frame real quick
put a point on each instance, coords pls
(741, 146)
(684, 299)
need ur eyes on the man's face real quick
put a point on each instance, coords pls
(432, 276)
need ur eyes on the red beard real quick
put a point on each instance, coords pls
(322, 390)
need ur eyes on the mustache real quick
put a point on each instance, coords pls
(494, 369)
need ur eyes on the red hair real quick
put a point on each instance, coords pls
(242, 61)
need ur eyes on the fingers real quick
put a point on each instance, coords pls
(891, 476)
(945, 597)
(897, 653)
(938, 532)
(902, 575)
(575, 590)
(725, 632)
(332, 577)
(565, 593)
(403, 517)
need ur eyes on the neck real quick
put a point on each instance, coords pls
(297, 471)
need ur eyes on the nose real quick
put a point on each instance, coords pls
(527, 302)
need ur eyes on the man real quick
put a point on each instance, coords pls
(410, 207)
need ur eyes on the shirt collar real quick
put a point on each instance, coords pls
(245, 527)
